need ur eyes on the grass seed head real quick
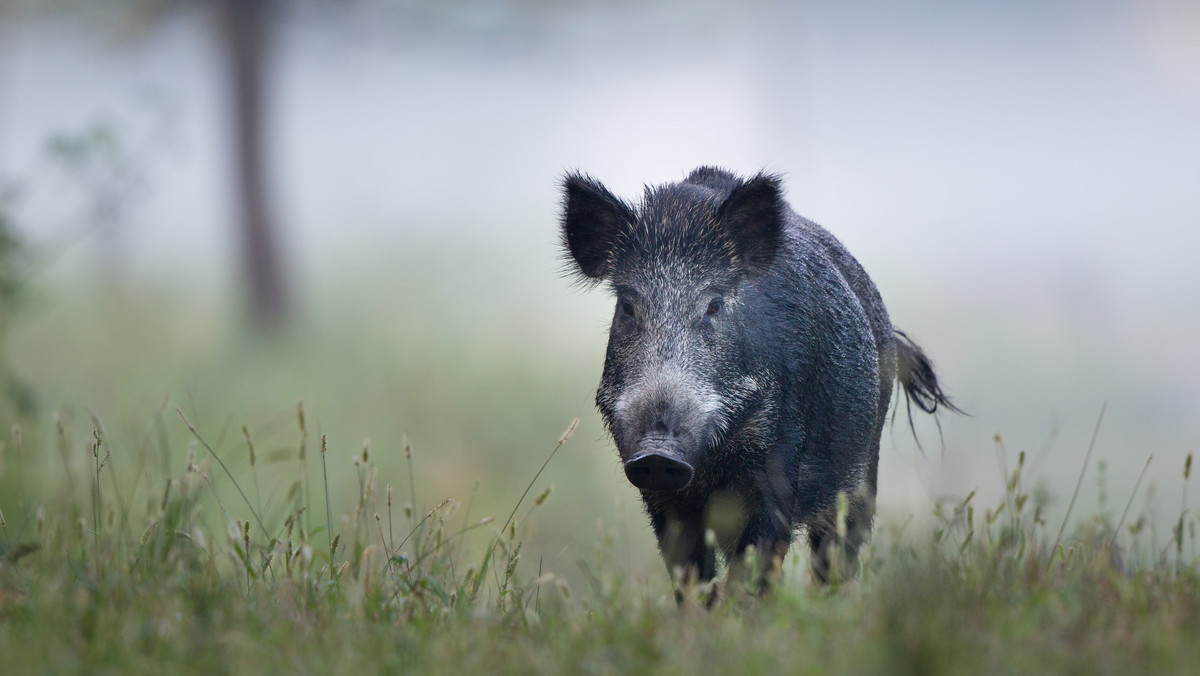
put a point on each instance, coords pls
(1187, 467)
(366, 452)
(149, 529)
(569, 432)
(249, 443)
(543, 496)
(184, 418)
(513, 560)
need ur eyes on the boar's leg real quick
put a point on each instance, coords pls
(827, 549)
(771, 543)
(681, 540)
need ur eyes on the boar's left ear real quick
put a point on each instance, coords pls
(593, 218)
(752, 218)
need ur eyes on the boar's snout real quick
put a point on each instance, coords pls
(658, 467)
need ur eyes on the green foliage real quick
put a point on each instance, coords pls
(15, 396)
(141, 571)
(9, 250)
(197, 572)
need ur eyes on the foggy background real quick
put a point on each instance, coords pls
(1022, 182)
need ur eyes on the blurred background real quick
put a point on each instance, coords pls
(235, 206)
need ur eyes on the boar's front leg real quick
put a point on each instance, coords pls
(833, 558)
(768, 508)
(681, 540)
(769, 531)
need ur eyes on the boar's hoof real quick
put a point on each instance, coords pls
(658, 472)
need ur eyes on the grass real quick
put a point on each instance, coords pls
(142, 572)
(247, 533)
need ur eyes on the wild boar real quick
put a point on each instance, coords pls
(749, 370)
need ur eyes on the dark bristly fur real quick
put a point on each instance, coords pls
(587, 200)
(915, 373)
(750, 367)
(920, 384)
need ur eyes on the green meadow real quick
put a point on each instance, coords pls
(416, 481)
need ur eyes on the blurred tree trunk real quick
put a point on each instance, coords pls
(246, 29)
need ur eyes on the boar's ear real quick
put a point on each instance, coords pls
(752, 218)
(592, 220)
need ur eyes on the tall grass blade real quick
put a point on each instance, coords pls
(220, 462)
(1078, 484)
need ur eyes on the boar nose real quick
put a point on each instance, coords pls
(658, 469)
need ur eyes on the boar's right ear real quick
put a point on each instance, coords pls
(752, 218)
(592, 220)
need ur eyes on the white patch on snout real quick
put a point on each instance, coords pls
(694, 401)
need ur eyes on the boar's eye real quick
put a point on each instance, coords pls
(714, 307)
(625, 308)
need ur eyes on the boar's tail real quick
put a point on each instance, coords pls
(915, 372)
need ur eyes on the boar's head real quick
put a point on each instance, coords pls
(679, 372)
